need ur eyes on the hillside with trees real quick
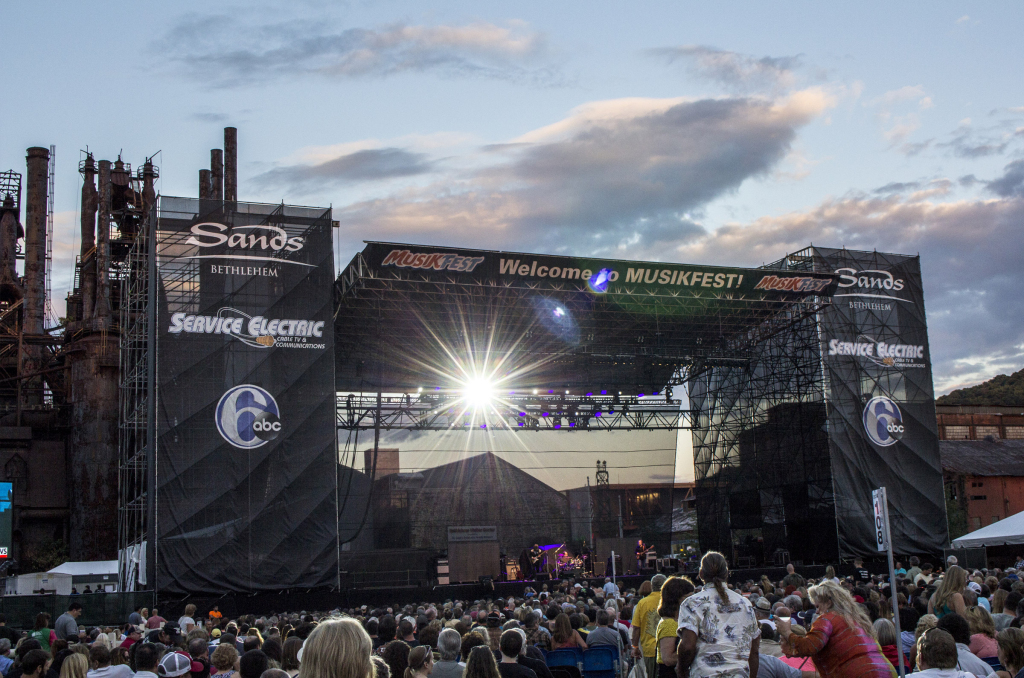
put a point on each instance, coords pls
(1001, 390)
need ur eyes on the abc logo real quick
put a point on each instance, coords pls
(248, 417)
(267, 426)
(883, 421)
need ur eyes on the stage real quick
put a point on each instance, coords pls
(325, 600)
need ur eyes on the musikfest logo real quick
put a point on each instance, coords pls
(247, 417)
(883, 422)
(252, 330)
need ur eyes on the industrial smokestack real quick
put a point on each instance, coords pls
(217, 173)
(149, 176)
(88, 258)
(102, 308)
(9, 227)
(205, 184)
(35, 239)
(230, 164)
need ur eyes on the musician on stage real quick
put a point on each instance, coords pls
(588, 559)
(526, 565)
(536, 559)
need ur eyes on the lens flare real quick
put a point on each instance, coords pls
(478, 393)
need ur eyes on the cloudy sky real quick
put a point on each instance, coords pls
(719, 133)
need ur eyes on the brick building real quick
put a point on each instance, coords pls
(985, 477)
(976, 422)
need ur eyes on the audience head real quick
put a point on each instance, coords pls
(33, 663)
(956, 626)
(174, 664)
(1011, 649)
(253, 663)
(74, 666)
(290, 653)
(147, 655)
(224, 657)
(886, 632)
(936, 649)
(395, 653)
(421, 661)
(511, 643)
(481, 664)
(449, 645)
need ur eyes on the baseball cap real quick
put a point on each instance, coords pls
(215, 633)
(174, 664)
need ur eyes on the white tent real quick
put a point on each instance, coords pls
(1004, 532)
(86, 567)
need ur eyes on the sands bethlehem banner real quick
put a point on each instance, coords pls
(246, 475)
(882, 424)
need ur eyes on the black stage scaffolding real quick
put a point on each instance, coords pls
(781, 454)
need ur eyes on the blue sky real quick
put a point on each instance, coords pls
(692, 132)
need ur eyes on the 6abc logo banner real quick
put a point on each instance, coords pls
(248, 417)
(883, 421)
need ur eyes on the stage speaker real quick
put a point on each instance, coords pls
(542, 576)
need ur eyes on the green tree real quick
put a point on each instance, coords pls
(956, 519)
(48, 555)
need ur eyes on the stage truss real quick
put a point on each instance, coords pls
(443, 412)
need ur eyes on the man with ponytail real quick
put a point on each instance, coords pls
(718, 632)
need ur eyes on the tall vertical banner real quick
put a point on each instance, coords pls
(881, 416)
(246, 458)
(6, 519)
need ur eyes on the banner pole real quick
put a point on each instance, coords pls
(884, 540)
(151, 318)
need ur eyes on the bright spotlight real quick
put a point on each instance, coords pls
(478, 393)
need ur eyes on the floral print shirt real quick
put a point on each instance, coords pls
(725, 631)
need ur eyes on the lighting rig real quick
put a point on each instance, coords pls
(481, 406)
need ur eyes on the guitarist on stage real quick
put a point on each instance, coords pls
(536, 560)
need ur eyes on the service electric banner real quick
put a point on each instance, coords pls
(246, 404)
(882, 425)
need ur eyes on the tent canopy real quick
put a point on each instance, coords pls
(83, 567)
(1004, 532)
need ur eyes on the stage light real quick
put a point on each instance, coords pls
(478, 393)
(559, 312)
(599, 281)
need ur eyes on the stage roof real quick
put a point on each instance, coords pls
(411, 317)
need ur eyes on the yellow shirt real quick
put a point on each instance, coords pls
(645, 618)
(667, 628)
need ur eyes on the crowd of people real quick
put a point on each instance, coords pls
(948, 623)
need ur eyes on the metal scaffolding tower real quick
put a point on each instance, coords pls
(135, 387)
